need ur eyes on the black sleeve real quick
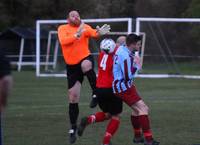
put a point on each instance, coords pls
(5, 68)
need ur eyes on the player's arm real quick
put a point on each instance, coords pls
(116, 66)
(124, 65)
(66, 39)
(137, 62)
(90, 32)
(128, 68)
(99, 31)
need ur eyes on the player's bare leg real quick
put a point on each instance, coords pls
(5, 88)
(74, 95)
(141, 110)
(87, 69)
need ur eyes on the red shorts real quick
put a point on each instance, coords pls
(129, 96)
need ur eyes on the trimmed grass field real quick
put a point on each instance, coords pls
(37, 112)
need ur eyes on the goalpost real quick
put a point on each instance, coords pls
(126, 24)
(169, 42)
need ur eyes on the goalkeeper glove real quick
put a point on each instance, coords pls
(104, 29)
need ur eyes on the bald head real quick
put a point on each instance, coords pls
(73, 12)
(74, 18)
(121, 40)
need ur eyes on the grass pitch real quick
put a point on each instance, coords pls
(37, 112)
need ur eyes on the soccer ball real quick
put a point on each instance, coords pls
(107, 45)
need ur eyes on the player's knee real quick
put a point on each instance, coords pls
(135, 113)
(86, 66)
(147, 109)
(116, 117)
(108, 115)
(143, 109)
(73, 97)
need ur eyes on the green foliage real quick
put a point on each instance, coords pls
(161, 8)
(26, 12)
(193, 9)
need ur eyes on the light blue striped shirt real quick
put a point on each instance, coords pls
(124, 69)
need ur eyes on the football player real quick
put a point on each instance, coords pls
(74, 38)
(124, 67)
(110, 105)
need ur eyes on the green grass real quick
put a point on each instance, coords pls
(37, 112)
(185, 68)
(182, 68)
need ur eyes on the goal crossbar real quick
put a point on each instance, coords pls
(153, 19)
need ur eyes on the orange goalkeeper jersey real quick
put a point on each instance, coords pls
(75, 49)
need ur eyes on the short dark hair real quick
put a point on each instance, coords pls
(132, 38)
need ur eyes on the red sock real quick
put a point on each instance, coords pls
(136, 126)
(111, 129)
(98, 117)
(145, 124)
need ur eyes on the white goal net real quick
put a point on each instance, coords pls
(172, 47)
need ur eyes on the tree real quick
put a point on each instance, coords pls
(161, 8)
(193, 10)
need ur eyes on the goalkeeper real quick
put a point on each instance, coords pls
(74, 38)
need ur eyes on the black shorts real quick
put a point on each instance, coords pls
(108, 102)
(74, 72)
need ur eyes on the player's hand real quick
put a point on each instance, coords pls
(137, 62)
(80, 30)
(105, 29)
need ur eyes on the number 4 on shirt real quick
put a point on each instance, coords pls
(103, 61)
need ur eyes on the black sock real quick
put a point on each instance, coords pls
(73, 114)
(91, 75)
